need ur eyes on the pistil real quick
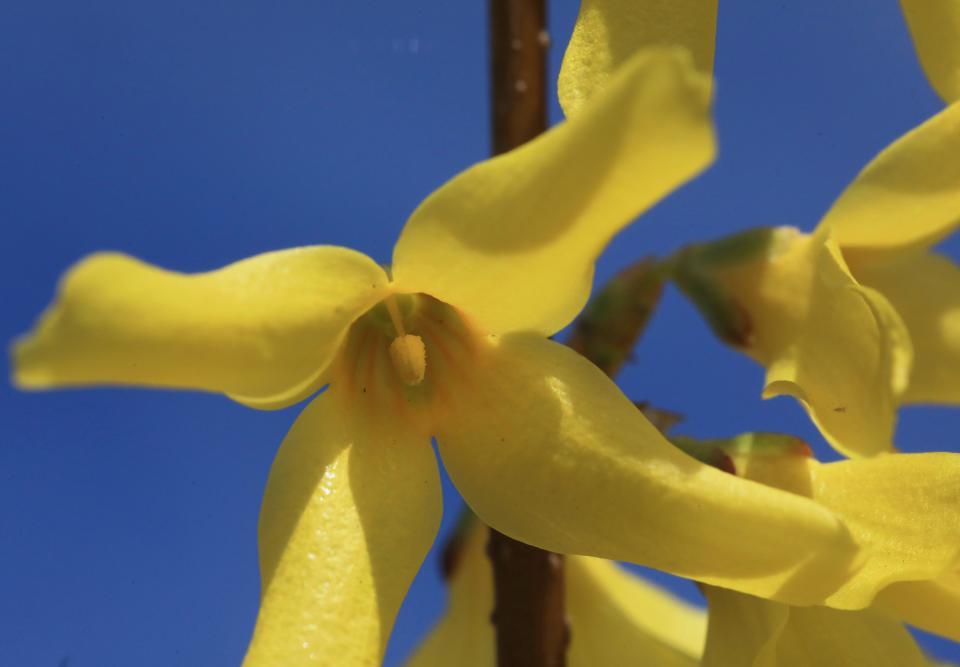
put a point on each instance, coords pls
(395, 316)
(407, 351)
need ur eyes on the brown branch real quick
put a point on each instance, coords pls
(528, 614)
(518, 72)
(528, 617)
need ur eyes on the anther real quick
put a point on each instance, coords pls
(409, 358)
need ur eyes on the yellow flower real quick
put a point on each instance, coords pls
(901, 496)
(614, 617)
(859, 316)
(453, 344)
(935, 27)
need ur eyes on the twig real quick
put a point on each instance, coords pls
(528, 617)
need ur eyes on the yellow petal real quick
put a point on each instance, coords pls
(615, 618)
(512, 241)
(837, 347)
(608, 32)
(350, 511)
(745, 630)
(909, 195)
(933, 606)
(620, 619)
(935, 27)
(262, 329)
(900, 508)
(546, 449)
(925, 290)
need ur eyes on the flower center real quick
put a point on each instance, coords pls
(404, 355)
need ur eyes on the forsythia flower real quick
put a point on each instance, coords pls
(875, 496)
(614, 617)
(858, 316)
(453, 343)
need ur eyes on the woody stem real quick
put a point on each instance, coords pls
(528, 615)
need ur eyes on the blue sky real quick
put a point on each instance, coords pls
(194, 133)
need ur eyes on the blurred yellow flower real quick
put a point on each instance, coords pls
(745, 630)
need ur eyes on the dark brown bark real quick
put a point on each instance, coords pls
(528, 616)
(518, 72)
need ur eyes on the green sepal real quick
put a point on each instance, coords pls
(615, 318)
(735, 454)
(693, 271)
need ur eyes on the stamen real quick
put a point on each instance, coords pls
(409, 357)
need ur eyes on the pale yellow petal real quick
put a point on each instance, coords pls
(933, 606)
(608, 32)
(824, 636)
(546, 449)
(909, 195)
(512, 241)
(935, 27)
(836, 346)
(262, 329)
(464, 636)
(925, 290)
(351, 509)
(615, 618)
(745, 630)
